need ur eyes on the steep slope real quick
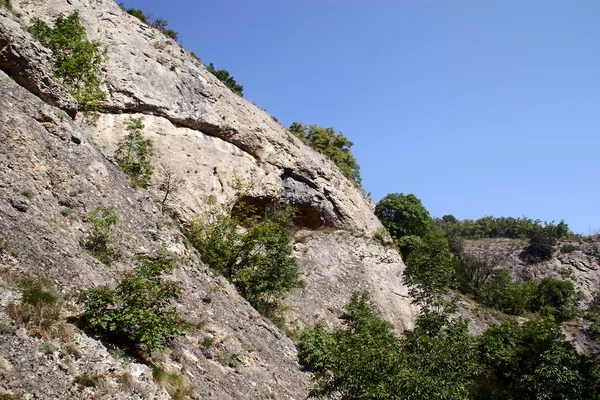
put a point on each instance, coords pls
(52, 176)
(580, 265)
(213, 140)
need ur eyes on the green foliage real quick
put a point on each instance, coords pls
(40, 304)
(224, 76)
(555, 297)
(503, 227)
(102, 220)
(593, 315)
(428, 274)
(472, 270)
(76, 60)
(550, 297)
(569, 248)
(501, 293)
(258, 261)
(175, 384)
(331, 143)
(405, 218)
(136, 12)
(365, 360)
(133, 154)
(540, 248)
(137, 311)
(158, 23)
(314, 345)
(533, 361)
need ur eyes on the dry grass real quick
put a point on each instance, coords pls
(175, 384)
(40, 307)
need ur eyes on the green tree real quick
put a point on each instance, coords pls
(332, 144)
(428, 274)
(365, 360)
(540, 248)
(133, 154)
(102, 219)
(76, 60)
(258, 261)
(533, 361)
(555, 297)
(138, 311)
(224, 76)
(501, 293)
(405, 218)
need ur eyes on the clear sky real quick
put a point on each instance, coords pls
(477, 107)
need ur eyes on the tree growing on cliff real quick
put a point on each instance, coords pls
(76, 60)
(405, 218)
(331, 143)
(137, 311)
(133, 154)
(224, 76)
(257, 260)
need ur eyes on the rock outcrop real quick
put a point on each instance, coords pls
(51, 178)
(54, 171)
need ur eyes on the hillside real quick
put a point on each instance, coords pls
(57, 170)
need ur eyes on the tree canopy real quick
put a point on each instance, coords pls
(331, 143)
(224, 76)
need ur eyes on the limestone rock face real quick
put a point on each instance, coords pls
(54, 172)
(28, 63)
(151, 74)
(51, 178)
(582, 266)
(333, 262)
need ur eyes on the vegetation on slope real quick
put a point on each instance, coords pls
(224, 76)
(76, 60)
(331, 143)
(137, 312)
(254, 252)
(159, 23)
(133, 153)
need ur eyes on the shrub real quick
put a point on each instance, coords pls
(133, 153)
(40, 305)
(76, 60)
(224, 76)
(540, 248)
(501, 293)
(405, 218)
(365, 360)
(175, 384)
(569, 248)
(555, 297)
(158, 23)
(98, 240)
(258, 261)
(502, 227)
(137, 311)
(86, 380)
(314, 344)
(331, 143)
(533, 361)
(161, 24)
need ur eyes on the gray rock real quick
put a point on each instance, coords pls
(28, 63)
(78, 176)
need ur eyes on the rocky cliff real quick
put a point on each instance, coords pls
(54, 171)
(576, 260)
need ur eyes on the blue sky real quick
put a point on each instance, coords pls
(477, 107)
